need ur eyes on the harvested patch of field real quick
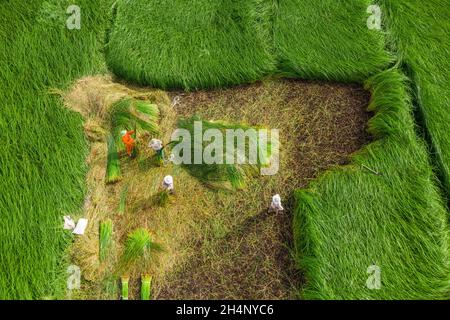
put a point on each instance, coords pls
(247, 254)
(218, 244)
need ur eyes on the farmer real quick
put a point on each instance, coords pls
(128, 141)
(157, 146)
(168, 183)
(276, 206)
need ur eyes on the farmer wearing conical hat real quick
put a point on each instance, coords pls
(128, 140)
(276, 206)
(168, 184)
(158, 147)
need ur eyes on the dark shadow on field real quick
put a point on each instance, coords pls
(251, 262)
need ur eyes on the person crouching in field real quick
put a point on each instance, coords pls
(276, 206)
(128, 140)
(158, 147)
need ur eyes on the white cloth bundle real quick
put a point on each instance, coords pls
(81, 226)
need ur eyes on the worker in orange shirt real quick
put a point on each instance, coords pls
(128, 140)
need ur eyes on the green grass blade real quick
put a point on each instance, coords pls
(124, 288)
(105, 241)
(113, 173)
(123, 200)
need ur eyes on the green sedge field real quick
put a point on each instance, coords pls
(365, 162)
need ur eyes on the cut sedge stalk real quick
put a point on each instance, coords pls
(123, 200)
(113, 164)
(146, 286)
(105, 241)
(124, 294)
